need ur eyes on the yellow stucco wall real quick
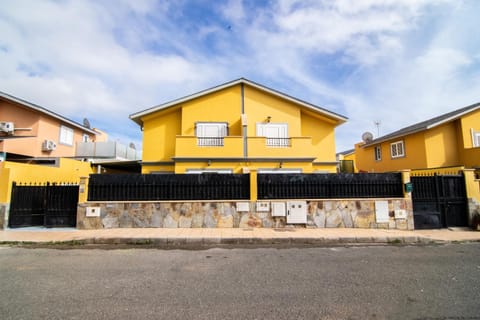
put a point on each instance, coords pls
(68, 171)
(170, 134)
(159, 133)
(441, 146)
(415, 155)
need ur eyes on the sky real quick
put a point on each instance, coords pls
(384, 64)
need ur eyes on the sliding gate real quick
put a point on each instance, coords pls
(48, 205)
(439, 201)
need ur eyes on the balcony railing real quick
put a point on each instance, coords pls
(210, 141)
(278, 142)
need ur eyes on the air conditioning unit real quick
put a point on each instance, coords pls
(7, 127)
(49, 145)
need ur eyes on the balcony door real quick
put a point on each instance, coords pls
(276, 134)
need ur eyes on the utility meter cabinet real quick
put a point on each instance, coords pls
(296, 212)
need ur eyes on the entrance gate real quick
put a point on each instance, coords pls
(48, 205)
(439, 201)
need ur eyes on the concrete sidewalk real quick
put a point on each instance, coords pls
(162, 237)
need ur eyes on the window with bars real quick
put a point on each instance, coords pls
(276, 134)
(397, 149)
(66, 136)
(211, 134)
(378, 153)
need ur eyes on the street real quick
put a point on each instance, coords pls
(379, 282)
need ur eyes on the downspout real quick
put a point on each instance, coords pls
(244, 125)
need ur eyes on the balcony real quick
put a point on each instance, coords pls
(106, 150)
(232, 147)
(191, 146)
(294, 147)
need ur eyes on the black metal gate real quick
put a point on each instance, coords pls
(49, 205)
(439, 201)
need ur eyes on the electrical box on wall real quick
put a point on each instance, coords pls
(263, 206)
(381, 212)
(93, 212)
(243, 207)
(297, 212)
(400, 214)
(278, 209)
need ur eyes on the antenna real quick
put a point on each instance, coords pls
(377, 124)
(86, 123)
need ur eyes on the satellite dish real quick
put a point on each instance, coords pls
(86, 123)
(367, 137)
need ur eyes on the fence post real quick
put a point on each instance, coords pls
(406, 180)
(83, 190)
(472, 187)
(253, 185)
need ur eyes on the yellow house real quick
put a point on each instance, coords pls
(451, 139)
(237, 127)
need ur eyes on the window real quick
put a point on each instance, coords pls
(85, 138)
(211, 134)
(276, 134)
(397, 149)
(66, 136)
(378, 153)
(476, 138)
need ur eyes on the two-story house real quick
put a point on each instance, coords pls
(237, 127)
(29, 131)
(451, 139)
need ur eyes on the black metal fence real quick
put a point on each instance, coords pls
(330, 186)
(143, 187)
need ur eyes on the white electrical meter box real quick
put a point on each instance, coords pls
(381, 212)
(243, 207)
(263, 206)
(278, 209)
(93, 212)
(297, 212)
(400, 214)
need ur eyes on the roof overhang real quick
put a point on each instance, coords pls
(137, 117)
(46, 112)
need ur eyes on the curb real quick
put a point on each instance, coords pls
(216, 242)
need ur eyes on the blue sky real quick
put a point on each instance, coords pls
(393, 61)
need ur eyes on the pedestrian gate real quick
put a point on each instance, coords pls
(439, 201)
(49, 205)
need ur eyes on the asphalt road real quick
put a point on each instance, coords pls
(386, 282)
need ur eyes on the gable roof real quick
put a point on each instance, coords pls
(43, 110)
(137, 116)
(425, 125)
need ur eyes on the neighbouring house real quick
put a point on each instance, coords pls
(346, 161)
(32, 133)
(451, 139)
(237, 127)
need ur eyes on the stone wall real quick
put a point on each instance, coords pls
(3, 215)
(320, 214)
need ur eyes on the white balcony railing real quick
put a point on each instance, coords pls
(210, 141)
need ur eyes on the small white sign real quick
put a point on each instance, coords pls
(93, 212)
(381, 211)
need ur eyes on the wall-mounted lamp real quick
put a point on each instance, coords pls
(268, 119)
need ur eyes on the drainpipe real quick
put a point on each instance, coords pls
(244, 123)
